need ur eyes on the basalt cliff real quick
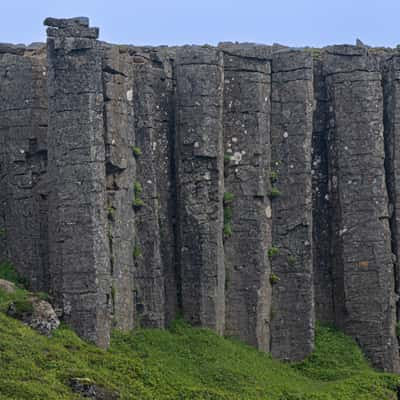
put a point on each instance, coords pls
(251, 188)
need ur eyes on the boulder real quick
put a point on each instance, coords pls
(37, 313)
(89, 389)
(7, 286)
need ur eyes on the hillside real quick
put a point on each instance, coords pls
(180, 363)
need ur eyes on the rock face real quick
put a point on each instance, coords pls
(291, 132)
(78, 248)
(251, 188)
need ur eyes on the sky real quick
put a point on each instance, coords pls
(174, 22)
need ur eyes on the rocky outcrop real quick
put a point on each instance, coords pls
(199, 148)
(78, 246)
(23, 161)
(36, 313)
(247, 208)
(291, 132)
(363, 270)
(251, 188)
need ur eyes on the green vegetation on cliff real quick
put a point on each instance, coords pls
(181, 363)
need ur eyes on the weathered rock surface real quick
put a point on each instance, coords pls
(292, 329)
(200, 162)
(7, 286)
(247, 208)
(363, 271)
(252, 188)
(38, 314)
(78, 246)
(88, 389)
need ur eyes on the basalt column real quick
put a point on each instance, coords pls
(155, 287)
(121, 170)
(361, 249)
(23, 162)
(79, 256)
(199, 90)
(321, 209)
(292, 326)
(247, 209)
(391, 89)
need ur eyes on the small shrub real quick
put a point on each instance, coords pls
(273, 251)
(136, 252)
(2, 232)
(136, 151)
(274, 192)
(137, 203)
(227, 230)
(273, 278)
(228, 197)
(227, 158)
(398, 329)
(137, 189)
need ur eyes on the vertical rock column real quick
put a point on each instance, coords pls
(321, 208)
(391, 88)
(199, 87)
(362, 259)
(292, 326)
(121, 170)
(79, 257)
(247, 225)
(23, 162)
(154, 258)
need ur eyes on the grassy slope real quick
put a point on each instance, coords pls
(181, 363)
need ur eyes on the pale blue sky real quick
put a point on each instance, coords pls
(290, 22)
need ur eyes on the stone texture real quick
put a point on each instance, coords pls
(23, 163)
(7, 286)
(126, 225)
(321, 206)
(391, 90)
(362, 259)
(38, 314)
(155, 287)
(121, 172)
(79, 252)
(89, 389)
(247, 111)
(292, 326)
(199, 93)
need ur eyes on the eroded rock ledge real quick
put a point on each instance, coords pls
(252, 188)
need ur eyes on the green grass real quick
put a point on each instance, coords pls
(181, 363)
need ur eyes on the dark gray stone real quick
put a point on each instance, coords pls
(199, 93)
(247, 112)
(361, 242)
(121, 172)
(292, 326)
(321, 208)
(23, 164)
(78, 243)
